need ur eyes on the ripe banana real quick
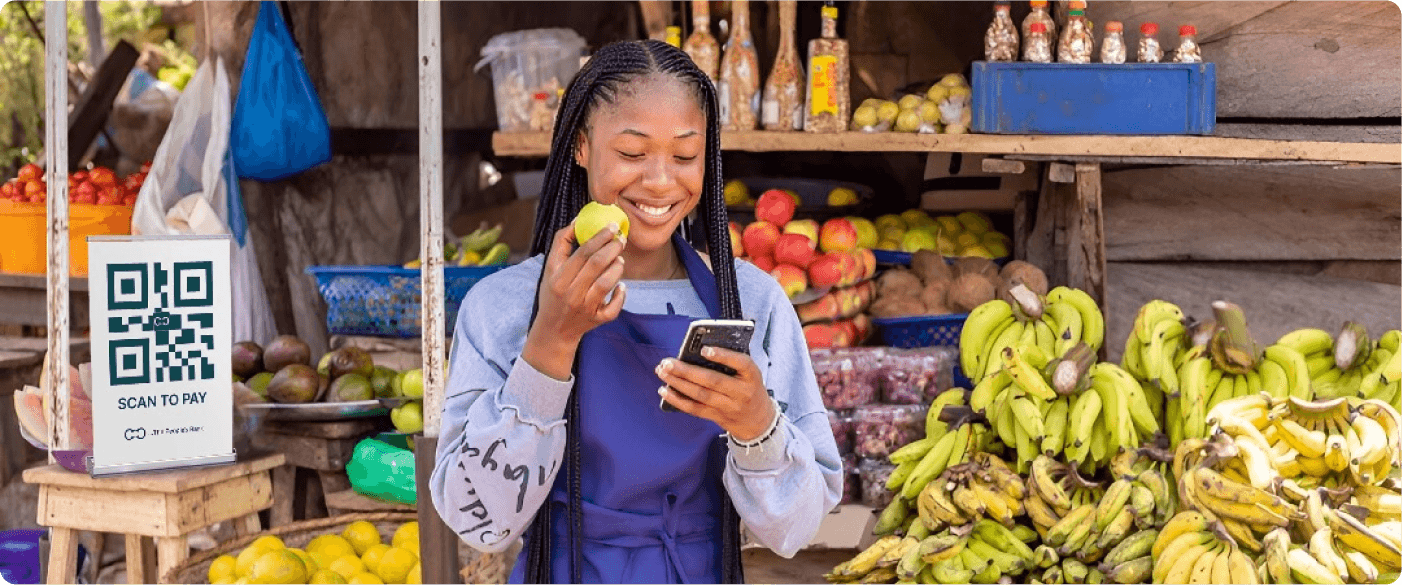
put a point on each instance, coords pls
(1092, 321)
(978, 331)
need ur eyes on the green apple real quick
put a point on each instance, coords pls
(412, 384)
(408, 417)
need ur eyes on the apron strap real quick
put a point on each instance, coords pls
(700, 275)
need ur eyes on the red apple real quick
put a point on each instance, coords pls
(807, 227)
(794, 249)
(868, 261)
(825, 271)
(765, 263)
(775, 206)
(759, 238)
(849, 331)
(867, 290)
(848, 265)
(825, 335)
(837, 235)
(863, 324)
(823, 309)
(737, 246)
(791, 278)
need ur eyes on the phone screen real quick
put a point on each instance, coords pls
(731, 335)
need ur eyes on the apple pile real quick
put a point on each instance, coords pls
(967, 234)
(97, 186)
(800, 253)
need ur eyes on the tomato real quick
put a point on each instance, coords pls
(145, 168)
(78, 176)
(30, 172)
(102, 176)
(33, 188)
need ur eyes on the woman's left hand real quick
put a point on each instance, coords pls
(739, 403)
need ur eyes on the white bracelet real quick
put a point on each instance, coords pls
(773, 427)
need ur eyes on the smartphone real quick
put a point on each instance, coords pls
(733, 335)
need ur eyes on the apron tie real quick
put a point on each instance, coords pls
(669, 542)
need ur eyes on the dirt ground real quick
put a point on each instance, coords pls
(808, 566)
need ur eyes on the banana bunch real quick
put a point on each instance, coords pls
(983, 487)
(1230, 365)
(1072, 571)
(1054, 491)
(1191, 549)
(1349, 365)
(1343, 550)
(1155, 348)
(1325, 442)
(981, 552)
(950, 438)
(479, 248)
(1054, 324)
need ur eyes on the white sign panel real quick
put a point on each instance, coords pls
(160, 315)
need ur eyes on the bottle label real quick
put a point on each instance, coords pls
(822, 85)
(771, 112)
(723, 96)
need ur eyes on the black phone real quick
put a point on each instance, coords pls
(730, 334)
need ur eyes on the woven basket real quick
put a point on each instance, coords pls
(487, 568)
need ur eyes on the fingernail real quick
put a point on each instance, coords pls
(620, 259)
(708, 351)
(662, 391)
(613, 227)
(664, 366)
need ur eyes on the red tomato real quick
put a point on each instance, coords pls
(78, 176)
(130, 200)
(33, 188)
(145, 168)
(30, 172)
(102, 176)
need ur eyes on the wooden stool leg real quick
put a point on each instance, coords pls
(99, 540)
(284, 494)
(248, 525)
(170, 552)
(141, 559)
(63, 555)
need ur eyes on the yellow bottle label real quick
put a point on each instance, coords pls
(822, 85)
(829, 12)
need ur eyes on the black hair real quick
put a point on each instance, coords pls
(566, 190)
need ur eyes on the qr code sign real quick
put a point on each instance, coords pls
(160, 320)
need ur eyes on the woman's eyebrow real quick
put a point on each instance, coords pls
(630, 131)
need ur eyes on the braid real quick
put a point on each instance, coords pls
(564, 192)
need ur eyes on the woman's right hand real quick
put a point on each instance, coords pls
(573, 298)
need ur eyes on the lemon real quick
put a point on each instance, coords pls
(329, 547)
(223, 567)
(594, 217)
(361, 535)
(372, 556)
(406, 536)
(269, 541)
(243, 565)
(307, 560)
(365, 578)
(325, 577)
(395, 565)
(415, 576)
(347, 566)
(279, 566)
(224, 580)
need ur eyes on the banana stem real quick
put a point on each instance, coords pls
(1201, 333)
(1028, 302)
(1352, 346)
(1238, 345)
(1069, 373)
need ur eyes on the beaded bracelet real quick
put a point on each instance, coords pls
(773, 427)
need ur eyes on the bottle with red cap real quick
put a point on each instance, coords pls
(1076, 44)
(1188, 50)
(1037, 46)
(1038, 14)
(1149, 49)
(1112, 47)
(1000, 42)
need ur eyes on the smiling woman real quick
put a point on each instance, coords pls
(551, 424)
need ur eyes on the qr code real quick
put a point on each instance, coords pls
(160, 322)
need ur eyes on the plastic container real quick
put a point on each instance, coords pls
(385, 301)
(851, 480)
(529, 68)
(917, 376)
(874, 473)
(896, 258)
(848, 377)
(24, 234)
(925, 331)
(1094, 98)
(879, 429)
(841, 430)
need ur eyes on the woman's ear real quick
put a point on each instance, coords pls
(581, 150)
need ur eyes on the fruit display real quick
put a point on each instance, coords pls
(1349, 365)
(97, 186)
(936, 286)
(942, 109)
(969, 233)
(357, 554)
(33, 406)
(801, 253)
(479, 248)
(1054, 323)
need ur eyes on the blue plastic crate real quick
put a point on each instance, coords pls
(384, 301)
(925, 331)
(897, 258)
(1094, 98)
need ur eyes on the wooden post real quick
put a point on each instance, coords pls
(438, 543)
(1085, 250)
(56, 167)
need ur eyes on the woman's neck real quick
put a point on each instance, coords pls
(660, 264)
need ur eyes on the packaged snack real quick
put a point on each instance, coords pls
(879, 429)
(874, 474)
(841, 430)
(916, 376)
(848, 377)
(851, 480)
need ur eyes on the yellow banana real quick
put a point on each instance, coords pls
(1321, 546)
(940, 547)
(895, 553)
(1243, 571)
(1092, 321)
(1360, 569)
(1361, 538)
(1132, 571)
(1058, 533)
(993, 360)
(1026, 376)
(1306, 569)
(1046, 337)
(1277, 545)
(1296, 371)
(1221, 571)
(1176, 563)
(978, 330)
(988, 388)
(866, 560)
(1068, 325)
(1309, 443)
(1116, 530)
(1241, 533)
(1274, 380)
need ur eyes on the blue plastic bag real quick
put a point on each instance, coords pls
(279, 128)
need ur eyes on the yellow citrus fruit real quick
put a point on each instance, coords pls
(362, 535)
(595, 216)
(415, 576)
(407, 536)
(279, 566)
(326, 577)
(269, 541)
(395, 565)
(347, 566)
(223, 567)
(243, 564)
(365, 578)
(312, 565)
(226, 580)
(372, 555)
(329, 547)
(241, 581)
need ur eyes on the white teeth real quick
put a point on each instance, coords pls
(654, 211)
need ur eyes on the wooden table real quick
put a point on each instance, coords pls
(164, 506)
(318, 452)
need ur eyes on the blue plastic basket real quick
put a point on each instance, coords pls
(893, 257)
(925, 331)
(384, 301)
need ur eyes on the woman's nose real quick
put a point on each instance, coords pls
(658, 175)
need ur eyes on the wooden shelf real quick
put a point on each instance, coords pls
(1082, 148)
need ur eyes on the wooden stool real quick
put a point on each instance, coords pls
(166, 506)
(347, 501)
(322, 448)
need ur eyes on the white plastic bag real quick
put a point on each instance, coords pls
(190, 162)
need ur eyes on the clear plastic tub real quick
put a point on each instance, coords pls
(529, 70)
(841, 430)
(879, 429)
(874, 474)
(917, 376)
(851, 480)
(848, 378)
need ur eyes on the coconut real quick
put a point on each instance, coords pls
(975, 265)
(1024, 273)
(934, 293)
(900, 306)
(899, 282)
(969, 291)
(930, 265)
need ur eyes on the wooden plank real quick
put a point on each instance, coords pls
(171, 551)
(538, 144)
(1085, 250)
(1003, 166)
(107, 511)
(1061, 173)
(345, 501)
(314, 453)
(431, 211)
(164, 482)
(141, 559)
(1276, 213)
(438, 543)
(657, 16)
(227, 500)
(63, 555)
(1275, 303)
(284, 496)
(1039, 246)
(1293, 130)
(93, 107)
(249, 524)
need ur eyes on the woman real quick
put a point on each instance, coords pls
(552, 403)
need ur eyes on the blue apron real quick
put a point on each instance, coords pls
(650, 480)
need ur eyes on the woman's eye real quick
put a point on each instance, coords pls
(629, 155)
(685, 158)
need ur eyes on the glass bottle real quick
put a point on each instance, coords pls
(1188, 50)
(739, 89)
(1039, 14)
(828, 101)
(1037, 46)
(1149, 49)
(1000, 42)
(674, 36)
(703, 48)
(782, 108)
(1076, 44)
(1112, 47)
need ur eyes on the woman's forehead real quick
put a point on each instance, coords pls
(651, 100)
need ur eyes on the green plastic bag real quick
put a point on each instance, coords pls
(384, 471)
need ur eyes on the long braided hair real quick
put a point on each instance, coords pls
(565, 191)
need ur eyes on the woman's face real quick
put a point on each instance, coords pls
(646, 153)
